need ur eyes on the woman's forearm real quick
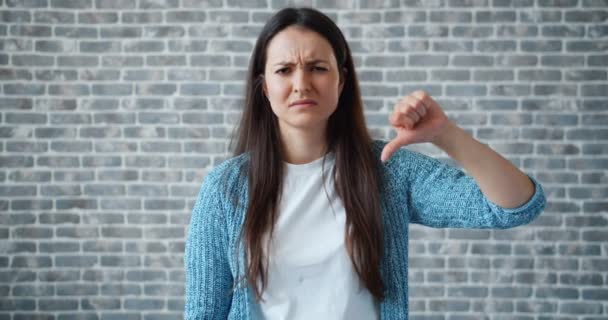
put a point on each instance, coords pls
(499, 180)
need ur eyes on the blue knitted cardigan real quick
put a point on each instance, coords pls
(414, 188)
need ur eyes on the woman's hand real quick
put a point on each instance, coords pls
(417, 118)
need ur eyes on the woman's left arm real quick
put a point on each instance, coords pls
(418, 118)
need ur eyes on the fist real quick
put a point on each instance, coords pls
(417, 118)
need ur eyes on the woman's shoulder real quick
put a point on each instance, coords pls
(229, 169)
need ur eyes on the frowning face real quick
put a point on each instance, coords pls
(301, 79)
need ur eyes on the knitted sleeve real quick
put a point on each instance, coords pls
(443, 196)
(208, 277)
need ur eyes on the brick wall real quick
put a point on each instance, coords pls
(112, 112)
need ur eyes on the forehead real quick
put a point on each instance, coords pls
(295, 43)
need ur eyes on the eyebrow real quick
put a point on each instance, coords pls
(308, 62)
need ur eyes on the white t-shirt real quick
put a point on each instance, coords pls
(310, 274)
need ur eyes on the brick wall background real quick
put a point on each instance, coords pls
(112, 112)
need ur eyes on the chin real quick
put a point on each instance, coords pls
(309, 123)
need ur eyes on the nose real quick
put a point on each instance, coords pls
(301, 81)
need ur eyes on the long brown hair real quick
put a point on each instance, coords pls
(355, 172)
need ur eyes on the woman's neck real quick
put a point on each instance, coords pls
(303, 146)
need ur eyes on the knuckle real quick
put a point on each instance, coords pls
(421, 93)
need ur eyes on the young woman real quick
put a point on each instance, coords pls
(309, 219)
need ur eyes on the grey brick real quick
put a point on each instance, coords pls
(81, 232)
(17, 304)
(600, 90)
(580, 279)
(78, 316)
(15, 16)
(466, 90)
(151, 4)
(99, 47)
(563, 31)
(57, 276)
(405, 16)
(595, 207)
(103, 161)
(99, 17)
(451, 46)
(19, 247)
(427, 31)
(595, 294)
(57, 304)
(579, 308)
(164, 233)
(594, 177)
(145, 161)
(104, 245)
(32, 233)
(146, 275)
(592, 16)
(511, 292)
(516, 31)
(120, 261)
(31, 290)
(472, 60)
(164, 262)
(70, 119)
(121, 316)
(33, 316)
(145, 247)
(162, 176)
(586, 45)
(478, 292)
(31, 262)
(561, 60)
(449, 305)
(539, 75)
(541, 46)
(495, 16)
(540, 16)
(71, 146)
(496, 46)
(585, 75)
(121, 232)
(77, 289)
(121, 61)
(59, 247)
(163, 290)
(515, 263)
(144, 132)
(200, 89)
(65, 204)
(536, 306)
(103, 275)
(76, 32)
(594, 264)
(226, 16)
(100, 303)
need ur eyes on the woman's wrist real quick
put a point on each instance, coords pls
(447, 136)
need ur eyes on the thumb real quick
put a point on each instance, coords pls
(389, 149)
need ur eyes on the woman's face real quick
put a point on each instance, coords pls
(301, 66)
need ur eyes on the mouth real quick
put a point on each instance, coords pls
(303, 103)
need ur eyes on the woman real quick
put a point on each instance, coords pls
(320, 210)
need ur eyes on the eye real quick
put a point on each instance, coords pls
(320, 69)
(282, 70)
